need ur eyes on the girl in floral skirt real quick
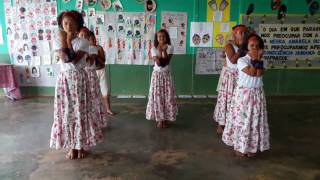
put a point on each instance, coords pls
(229, 74)
(162, 105)
(93, 84)
(247, 124)
(74, 126)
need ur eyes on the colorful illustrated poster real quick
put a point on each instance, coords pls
(176, 25)
(126, 37)
(201, 34)
(209, 61)
(221, 33)
(218, 10)
(31, 26)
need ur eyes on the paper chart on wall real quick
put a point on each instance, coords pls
(201, 34)
(209, 61)
(30, 29)
(176, 25)
(127, 38)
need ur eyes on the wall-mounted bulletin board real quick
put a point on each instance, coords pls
(292, 42)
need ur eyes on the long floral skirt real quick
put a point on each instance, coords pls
(227, 85)
(74, 126)
(247, 127)
(95, 95)
(162, 97)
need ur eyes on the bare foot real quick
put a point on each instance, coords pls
(251, 154)
(71, 154)
(111, 112)
(159, 124)
(165, 124)
(239, 154)
(220, 129)
(162, 124)
(81, 154)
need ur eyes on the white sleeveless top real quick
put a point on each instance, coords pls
(229, 63)
(245, 80)
(78, 44)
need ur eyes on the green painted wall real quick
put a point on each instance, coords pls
(134, 80)
(4, 57)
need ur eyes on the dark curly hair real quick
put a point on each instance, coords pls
(91, 34)
(74, 15)
(165, 32)
(253, 35)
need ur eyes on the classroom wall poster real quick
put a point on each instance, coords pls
(30, 28)
(201, 34)
(221, 33)
(126, 37)
(218, 10)
(290, 41)
(209, 61)
(176, 24)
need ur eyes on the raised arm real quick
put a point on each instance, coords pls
(231, 54)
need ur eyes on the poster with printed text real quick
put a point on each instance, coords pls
(290, 41)
(209, 61)
(176, 25)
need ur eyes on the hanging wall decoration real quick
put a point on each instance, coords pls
(117, 5)
(218, 10)
(105, 4)
(150, 5)
(213, 5)
(282, 12)
(91, 2)
(313, 8)
(275, 4)
(250, 9)
(79, 5)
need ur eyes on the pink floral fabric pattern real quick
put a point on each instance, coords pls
(247, 127)
(95, 95)
(74, 126)
(223, 70)
(162, 97)
(228, 81)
